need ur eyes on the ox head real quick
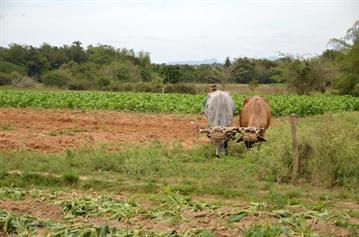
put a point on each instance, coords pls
(219, 137)
(251, 134)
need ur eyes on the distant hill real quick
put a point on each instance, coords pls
(196, 62)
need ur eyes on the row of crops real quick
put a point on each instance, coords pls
(168, 103)
(106, 216)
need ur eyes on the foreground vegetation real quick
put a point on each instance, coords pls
(168, 209)
(169, 103)
(248, 193)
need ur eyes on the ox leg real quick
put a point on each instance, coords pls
(218, 149)
(249, 144)
(225, 145)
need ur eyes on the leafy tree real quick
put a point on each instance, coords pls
(75, 52)
(227, 62)
(35, 62)
(16, 54)
(245, 69)
(101, 54)
(347, 52)
(170, 73)
(344, 44)
(305, 75)
(55, 56)
(349, 82)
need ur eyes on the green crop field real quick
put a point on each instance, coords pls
(167, 103)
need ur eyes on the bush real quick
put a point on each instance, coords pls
(26, 82)
(4, 79)
(57, 78)
(180, 88)
(79, 84)
(348, 85)
(6, 67)
(146, 87)
(15, 77)
(153, 87)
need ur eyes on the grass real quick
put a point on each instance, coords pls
(70, 177)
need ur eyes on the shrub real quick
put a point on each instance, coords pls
(4, 79)
(57, 78)
(79, 83)
(26, 82)
(7, 67)
(180, 88)
(153, 87)
(15, 77)
(348, 84)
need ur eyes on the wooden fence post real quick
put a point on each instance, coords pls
(295, 163)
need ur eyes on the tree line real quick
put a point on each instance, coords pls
(104, 67)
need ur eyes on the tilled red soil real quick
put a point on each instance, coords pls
(58, 130)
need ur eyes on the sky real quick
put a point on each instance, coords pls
(180, 30)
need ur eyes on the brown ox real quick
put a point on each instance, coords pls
(255, 117)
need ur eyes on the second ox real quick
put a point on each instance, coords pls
(255, 118)
(219, 110)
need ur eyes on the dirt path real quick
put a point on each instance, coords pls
(58, 130)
